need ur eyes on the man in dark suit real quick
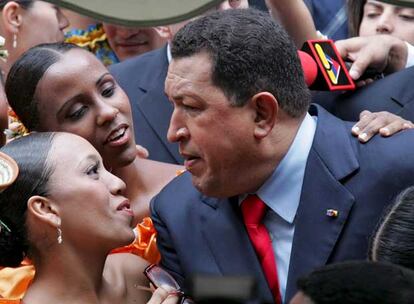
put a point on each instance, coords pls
(240, 118)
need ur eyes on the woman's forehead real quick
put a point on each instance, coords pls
(75, 69)
(76, 61)
(69, 149)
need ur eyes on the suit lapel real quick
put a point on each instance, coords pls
(316, 233)
(398, 86)
(229, 243)
(154, 105)
(157, 111)
(393, 93)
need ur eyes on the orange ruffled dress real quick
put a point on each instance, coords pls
(15, 281)
(145, 244)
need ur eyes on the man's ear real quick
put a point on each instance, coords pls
(12, 18)
(164, 32)
(44, 209)
(266, 109)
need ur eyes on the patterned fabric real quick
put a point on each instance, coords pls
(330, 17)
(16, 128)
(93, 40)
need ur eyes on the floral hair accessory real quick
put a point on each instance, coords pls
(4, 226)
(16, 127)
(8, 171)
(3, 53)
(8, 174)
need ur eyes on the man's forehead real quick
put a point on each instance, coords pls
(195, 68)
(174, 82)
(186, 78)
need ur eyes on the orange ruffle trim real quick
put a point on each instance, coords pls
(15, 281)
(145, 244)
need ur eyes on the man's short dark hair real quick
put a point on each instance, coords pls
(359, 282)
(250, 53)
(394, 239)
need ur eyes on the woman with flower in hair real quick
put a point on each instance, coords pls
(67, 212)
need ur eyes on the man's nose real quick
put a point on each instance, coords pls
(177, 131)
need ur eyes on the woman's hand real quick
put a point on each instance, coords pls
(163, 295)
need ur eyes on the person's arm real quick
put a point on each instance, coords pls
(295, 17)
(169, 257)
(129, 268)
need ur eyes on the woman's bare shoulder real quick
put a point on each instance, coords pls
(157, 173)
(125, 272)
(126, 264)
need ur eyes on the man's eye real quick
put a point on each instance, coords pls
(188, 107)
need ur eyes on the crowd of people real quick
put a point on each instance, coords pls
(198, 149)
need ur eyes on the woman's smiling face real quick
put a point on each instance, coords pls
(78, 95)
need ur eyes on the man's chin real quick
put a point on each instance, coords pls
(208, 188)
(200, 185)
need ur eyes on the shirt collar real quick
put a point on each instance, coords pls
(281, 192)
(169, 56)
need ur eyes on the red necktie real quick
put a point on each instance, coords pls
(253, 210)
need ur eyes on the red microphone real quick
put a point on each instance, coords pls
(309, 67)
(323, 67)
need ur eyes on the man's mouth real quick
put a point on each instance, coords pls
(190, 161)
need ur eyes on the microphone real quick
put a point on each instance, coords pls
(323, 67)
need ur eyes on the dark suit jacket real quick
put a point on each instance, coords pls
(143, 79)
(394, 93)
(199, 234)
